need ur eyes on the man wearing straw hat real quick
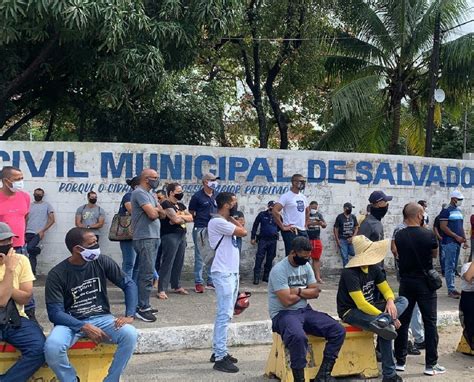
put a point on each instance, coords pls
(357, 304)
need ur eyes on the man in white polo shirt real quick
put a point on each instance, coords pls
(291, 212)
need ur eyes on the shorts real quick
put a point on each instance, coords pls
(317, 249)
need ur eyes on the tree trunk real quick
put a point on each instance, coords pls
(396, 114)
(52, 118)
(33, 113)
(279, 116)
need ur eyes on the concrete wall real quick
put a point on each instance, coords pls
(67, 170)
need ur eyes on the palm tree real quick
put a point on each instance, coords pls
(380, 63)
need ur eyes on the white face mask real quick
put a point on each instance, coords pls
(212, 184)
(459, 202)
(17, 185)
(91, 254)
(313, 211)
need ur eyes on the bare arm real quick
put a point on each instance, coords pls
(50, 222)
(393, 248)
(23, 295)
(336, 235)
(239, 230)
(99, 224)
(469, 274)
(290, 297)
(79, 221)
(10, 262)
(447, 231)
(128, 207)
(437, 233)
(276, 212)
(152, 212)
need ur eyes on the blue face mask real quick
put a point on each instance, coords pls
(91, 253)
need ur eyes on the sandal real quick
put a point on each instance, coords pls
(162, 296)
(181, 291)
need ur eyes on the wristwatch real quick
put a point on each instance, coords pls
(299, 292)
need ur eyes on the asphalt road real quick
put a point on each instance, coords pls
(194, 365)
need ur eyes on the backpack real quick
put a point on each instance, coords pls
(204, 247)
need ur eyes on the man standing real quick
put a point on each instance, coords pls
(223, 231)
(146, 214)
(267, 242)
(451, 224)
(40, 219)
(14, 209)
(372, 227)
(357, 302)
(438, 233)
(90, 215)
(201, 206)
(426, 218)
(291, 285)
(345, 228)
(314, 224)
(416, 247)
(78, 306)
(291, 212)
(16, 288)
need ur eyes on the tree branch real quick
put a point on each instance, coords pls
(12, 130)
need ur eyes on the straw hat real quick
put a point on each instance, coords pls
(367, 252)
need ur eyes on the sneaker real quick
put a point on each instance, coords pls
(225, 365)
(420, 345)
(145, 315)
(454, 294)
(382, 327)
(393, 378)
(228, 356)
(210, 286)
(400, 367)
(456, 273)
(434, 370)
(199, 288)
(412, 349)
(153, 311)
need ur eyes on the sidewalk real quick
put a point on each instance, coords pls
(186, 322)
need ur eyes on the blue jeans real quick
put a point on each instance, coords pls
(347, 249)
(362, 320)
(129, 256)
(147, 250)
(199, 267)
(62, 338)
(416, 326)
(451, 255)
(29, 340)
(288, 237)
(227, 287)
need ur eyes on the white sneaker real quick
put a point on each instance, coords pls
(399, 367)
(435, 370)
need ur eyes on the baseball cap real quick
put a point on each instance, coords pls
(348, 205)
(271, 203)
(209, 176)
(456, 194)
(6, 232)
(377, 196)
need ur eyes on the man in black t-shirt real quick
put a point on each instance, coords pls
(438, 233)
(357, 302)
(345, 228)
(417, 246)
(78, 306)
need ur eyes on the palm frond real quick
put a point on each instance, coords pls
(412, 129)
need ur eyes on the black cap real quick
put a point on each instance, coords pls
(348, 205)
(271, 203)
(377, 196)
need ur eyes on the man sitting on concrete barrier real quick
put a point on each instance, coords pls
(356, 303)
(16, 289)
(290, 285)
(78, 306)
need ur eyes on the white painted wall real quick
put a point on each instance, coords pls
(331, 196)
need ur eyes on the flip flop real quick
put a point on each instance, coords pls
(162, 296)
(181, 291)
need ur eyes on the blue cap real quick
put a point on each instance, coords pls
(377, 196)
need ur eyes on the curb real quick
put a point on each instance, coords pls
(243, 333)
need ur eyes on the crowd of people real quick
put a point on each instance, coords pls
(153, 249)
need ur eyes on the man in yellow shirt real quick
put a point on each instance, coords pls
(16, 284)
(357, 304)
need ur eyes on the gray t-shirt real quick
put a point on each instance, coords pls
(38, 216)
(283, 276)
(90, 216)
(143, 227)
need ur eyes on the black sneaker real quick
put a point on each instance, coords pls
(145, 315)
(412, 349)
(153, 311)
(393, 378)
(225, 365)
(228, 356)
(420, 345)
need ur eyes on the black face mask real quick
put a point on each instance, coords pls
(300, 261)
(38, 198)
(179, 196)
(379, 212)
(92, 201)
(5, 248)
(233, 210)
(301, 185)
(348, 211)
